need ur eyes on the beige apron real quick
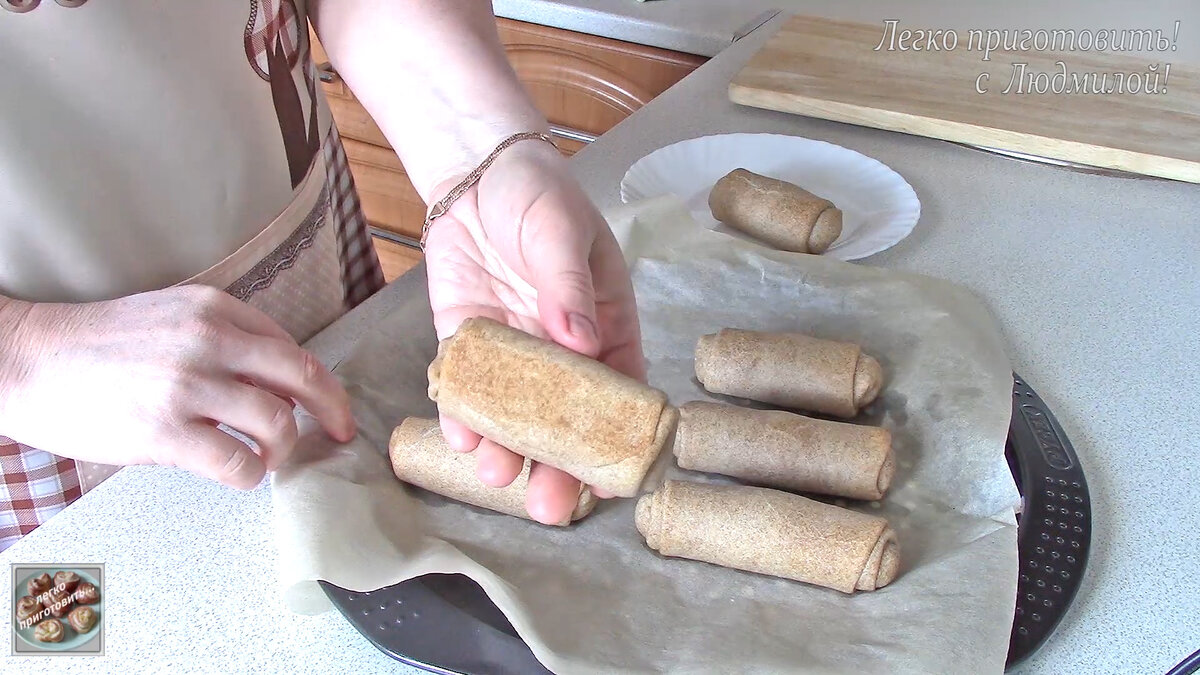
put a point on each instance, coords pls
(206, 132)
(291, 271)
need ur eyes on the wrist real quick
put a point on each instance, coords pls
(472, 148)
(523, 149)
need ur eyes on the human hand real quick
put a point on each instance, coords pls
(147, 378)
(528, 248)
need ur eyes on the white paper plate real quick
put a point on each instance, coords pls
(879, 208)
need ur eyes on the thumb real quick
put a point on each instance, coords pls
(562, 276)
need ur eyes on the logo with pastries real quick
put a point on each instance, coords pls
(58, 609)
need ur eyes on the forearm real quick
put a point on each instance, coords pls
(14, 351)
(433, 75)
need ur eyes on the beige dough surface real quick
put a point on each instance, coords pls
(783, 450)
(779, 213)
(421, 457)
(788, 369)
(770, 532)
(550, 404)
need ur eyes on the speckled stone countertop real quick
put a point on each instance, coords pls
(1094, 280)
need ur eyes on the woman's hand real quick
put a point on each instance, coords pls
(147, 378)
(527, 248)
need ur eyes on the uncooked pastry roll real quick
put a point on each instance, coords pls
(550, 404)
(420, 456)
(770, 532)
(783, 450)
(788, 369)
(50, 630)
(82, 619)
(779, 213)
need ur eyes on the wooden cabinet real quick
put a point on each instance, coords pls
(587, 84)
(584, 85)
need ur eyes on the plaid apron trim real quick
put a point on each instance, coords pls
(271, 21)
(362, 275)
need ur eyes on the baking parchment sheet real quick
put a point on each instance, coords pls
(592, 598)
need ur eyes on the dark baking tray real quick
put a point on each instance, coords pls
(445, 623)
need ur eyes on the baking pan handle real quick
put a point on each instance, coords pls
(1055, 526)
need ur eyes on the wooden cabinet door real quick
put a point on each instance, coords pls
(587, 84)
(583, 84)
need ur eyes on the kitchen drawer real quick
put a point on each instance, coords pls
(587, 83)
(583, 84)
(396, 259)
(388, 198)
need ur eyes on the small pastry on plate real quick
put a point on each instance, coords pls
(779, 213)
(82, 619)
(58, 602)
(67, 581)
(28, 606)
(50, 630)
(87, 593)
(39, 585)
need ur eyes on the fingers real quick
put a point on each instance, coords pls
(496, 465)
(626, 358)
(249, 319)
(558, 261)
(458, 436)
(212, 453)
(617, 310)
(259, 414)
(552, 495)
(293, 372)
(446, 321)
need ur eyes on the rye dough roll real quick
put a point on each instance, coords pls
(551, 404)
(770, 532)
(788, 369)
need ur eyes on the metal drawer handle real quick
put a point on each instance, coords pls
(326, 73)
(572, 134)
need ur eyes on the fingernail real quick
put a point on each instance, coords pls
(581, 326)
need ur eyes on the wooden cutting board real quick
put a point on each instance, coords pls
(833, 70)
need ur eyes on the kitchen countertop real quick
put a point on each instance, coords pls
(1094, 280)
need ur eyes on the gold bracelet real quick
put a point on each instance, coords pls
(439, 209)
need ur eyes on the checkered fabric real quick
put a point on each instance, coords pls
(36, 486)
(361, 272)
(271, 21)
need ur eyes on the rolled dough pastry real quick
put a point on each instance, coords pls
(770, 532)
(550, 404)
(779, 213)
(788, 369)
(420, 456)
(784, 450)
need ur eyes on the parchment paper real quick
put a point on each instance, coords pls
(592, 598)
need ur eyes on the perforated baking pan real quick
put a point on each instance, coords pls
(445, 623)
